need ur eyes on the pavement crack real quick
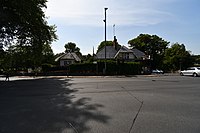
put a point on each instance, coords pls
(134, 120)
(141, 104)
(76, 131)
(131, 95)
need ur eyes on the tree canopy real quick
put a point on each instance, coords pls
(26, 34)
(23, 57)
(71, 47)
(152, 45)
(177, 57)
(23, 22)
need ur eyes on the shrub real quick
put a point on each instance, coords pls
(112, 68)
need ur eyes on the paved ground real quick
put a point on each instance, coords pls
(158, 104)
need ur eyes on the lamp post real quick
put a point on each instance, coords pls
(105, 9)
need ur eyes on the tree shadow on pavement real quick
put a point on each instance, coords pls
(45, 106)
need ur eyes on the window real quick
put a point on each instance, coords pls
(67, 63)
(127, 55)
(191, 68)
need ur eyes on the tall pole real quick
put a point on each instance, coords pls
(114, 30)
(105, 38)
(105, 30)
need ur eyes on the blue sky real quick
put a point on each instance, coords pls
(81, 21)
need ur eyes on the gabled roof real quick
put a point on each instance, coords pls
(110, 53)
(69, 56)
(124, 49)
(138, 53)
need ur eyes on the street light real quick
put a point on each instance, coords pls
(105, 37)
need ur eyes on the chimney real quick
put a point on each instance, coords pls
(115, 43)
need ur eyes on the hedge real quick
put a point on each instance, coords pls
(112, 68)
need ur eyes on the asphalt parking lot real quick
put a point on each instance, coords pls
(140, 104)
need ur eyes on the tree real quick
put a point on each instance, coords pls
(2, 59)
(23, 22)
(88, 58)
(177, 57)
(48, 55)
(14, 58)
(71, 47)
(108, 43)
(152, 45)
(196, 59)
(18, 57)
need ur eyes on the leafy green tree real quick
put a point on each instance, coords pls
(177, 57)
(71, 47)
(88, 58)
(48, 55)
(23, 22)
(18, 57)
(152, 45)
(196, 59)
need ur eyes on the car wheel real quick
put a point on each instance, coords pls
(181, 74)
(195, 74)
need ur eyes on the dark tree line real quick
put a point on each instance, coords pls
(24, 22)
(163, 57)
(25, 35)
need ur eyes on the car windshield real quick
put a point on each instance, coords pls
(198, 68)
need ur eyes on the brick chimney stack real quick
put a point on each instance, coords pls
(115, 43)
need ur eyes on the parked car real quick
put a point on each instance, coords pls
(156, 71)
(191, 71)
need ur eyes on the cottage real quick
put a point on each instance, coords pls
(68, 58)
(120, 53)
(125, 54)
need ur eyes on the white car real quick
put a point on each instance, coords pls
(156, 71)
(191, 71)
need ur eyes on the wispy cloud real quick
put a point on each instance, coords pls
(121, 12)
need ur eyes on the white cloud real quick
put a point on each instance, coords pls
(121, 12)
